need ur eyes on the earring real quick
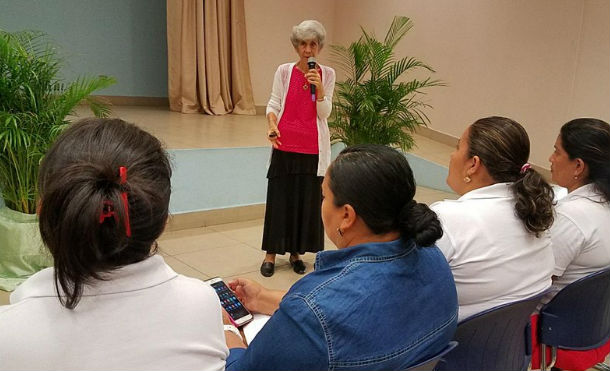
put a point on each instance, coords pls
(467, 179)
(575, 177)
(340, 232)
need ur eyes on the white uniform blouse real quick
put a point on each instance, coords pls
(581, 235)
(144, 317)
(494, 259)
(281, 82)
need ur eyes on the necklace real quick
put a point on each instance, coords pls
(306, 84)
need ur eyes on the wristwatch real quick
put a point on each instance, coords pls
(234, 330)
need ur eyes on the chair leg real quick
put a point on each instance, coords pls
(542, 357)
(553, 357)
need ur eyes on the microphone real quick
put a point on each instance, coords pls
(311, 64)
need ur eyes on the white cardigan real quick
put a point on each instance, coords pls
(281, 81)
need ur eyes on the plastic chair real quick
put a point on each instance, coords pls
(577, 318)
(429, 363)
(496, 339)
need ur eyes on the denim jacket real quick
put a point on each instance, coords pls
(375, 306)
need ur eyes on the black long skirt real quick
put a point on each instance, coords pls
(293, 222)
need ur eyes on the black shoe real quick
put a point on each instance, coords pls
(267, 269)
(298, 266)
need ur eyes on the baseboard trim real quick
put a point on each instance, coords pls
(206, 218)
(450, 140)
(437, 136)
(119, 100)
(261, 110)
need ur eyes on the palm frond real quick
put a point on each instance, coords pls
(398, 29)
(78, 91)
(34, 103)
(370, 106)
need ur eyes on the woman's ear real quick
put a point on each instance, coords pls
(581, 170)
(473, 165)
(349, 217)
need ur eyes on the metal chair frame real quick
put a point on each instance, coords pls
(512, 319)
(547, 310)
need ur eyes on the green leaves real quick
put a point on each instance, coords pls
(370, 106)
(34, 103)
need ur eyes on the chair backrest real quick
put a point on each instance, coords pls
(578, 317)
(496, 339)
(429, 363)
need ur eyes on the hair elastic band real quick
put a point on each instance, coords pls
(123, 175)
(107, 211)
(525, 168)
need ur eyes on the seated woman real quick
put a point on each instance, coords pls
(495, 237)
(383, 301)
(581, 233)
(110, 303)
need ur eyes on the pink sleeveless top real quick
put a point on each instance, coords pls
(298, 125)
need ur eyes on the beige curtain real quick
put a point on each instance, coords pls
(208, 57)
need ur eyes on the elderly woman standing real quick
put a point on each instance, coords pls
(298, 131)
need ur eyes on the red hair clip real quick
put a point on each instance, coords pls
(107, 211)
(123, 175)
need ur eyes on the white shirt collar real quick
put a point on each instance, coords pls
(587, 191)
(498, 190)
(147, 273)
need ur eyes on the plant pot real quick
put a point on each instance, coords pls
(22, 252)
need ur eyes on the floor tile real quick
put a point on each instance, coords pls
(196, 242)
(185, 232)
(249, 233)
(237, 225)
(224, 261)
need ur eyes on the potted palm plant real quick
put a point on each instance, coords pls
(34, 104)
(371, 104)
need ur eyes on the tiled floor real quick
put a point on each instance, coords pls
(231, 250)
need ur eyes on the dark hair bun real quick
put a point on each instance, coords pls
(420, 223)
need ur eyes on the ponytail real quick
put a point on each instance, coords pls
(504, 147)
(84, 220)
(534, 201)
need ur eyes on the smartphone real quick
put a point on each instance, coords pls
(238, 313)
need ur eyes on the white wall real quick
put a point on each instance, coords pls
(268, 26)
(539, 62)
(591, 92)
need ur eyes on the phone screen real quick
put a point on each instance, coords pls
(229, 301)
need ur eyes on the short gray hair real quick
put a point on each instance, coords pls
(308, 30)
